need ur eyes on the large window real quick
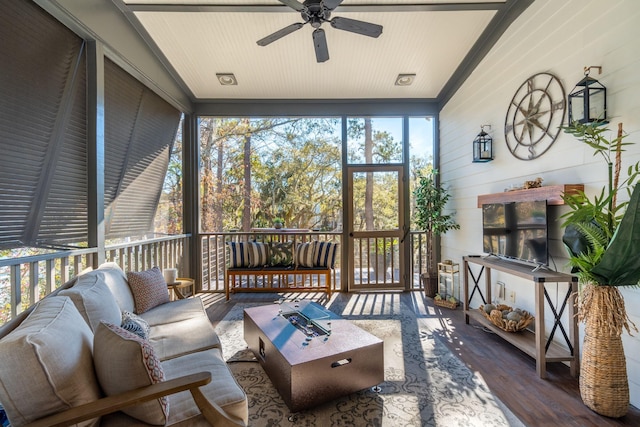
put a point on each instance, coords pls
(255, 170)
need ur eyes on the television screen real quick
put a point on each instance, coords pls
(516, 230)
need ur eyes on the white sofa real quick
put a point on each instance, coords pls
(49, 371)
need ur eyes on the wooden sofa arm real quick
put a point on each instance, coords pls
(107, 405)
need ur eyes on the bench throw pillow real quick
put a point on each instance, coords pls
(258, 254)
(324, 254)
(304, 254)
(124, 362)
(281, 254)
(47, 365)
(238, 254)
(149, 289)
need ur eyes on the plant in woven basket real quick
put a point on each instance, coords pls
(430, 201)
(602, 238)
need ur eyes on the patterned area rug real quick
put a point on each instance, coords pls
(425, 384)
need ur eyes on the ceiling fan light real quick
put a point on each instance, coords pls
(227, 79)
(405, 79)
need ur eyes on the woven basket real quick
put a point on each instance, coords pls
(604, 386)
(445, 303)
(495, 317)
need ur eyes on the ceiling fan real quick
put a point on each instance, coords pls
(316, 12)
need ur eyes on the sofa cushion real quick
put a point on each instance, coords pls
(93, 299)
(304, 254)
(222, 390)
(123, 362)
(116, 280)
(175, 311)
(175, 339)
(47, 365)
(324, 254)
(149, 289)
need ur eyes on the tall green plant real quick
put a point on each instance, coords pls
(430, 201)
(601, 235)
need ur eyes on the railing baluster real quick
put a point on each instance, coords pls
(16, 290)
(34, 276)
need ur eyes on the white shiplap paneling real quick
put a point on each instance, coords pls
(560, 37)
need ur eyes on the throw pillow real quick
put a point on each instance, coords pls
(238, 254)
(135, 324)
(324, 254)
(304, 254)
(47, 363)
(258, 254)
(123, 362)
(281, 254)
(148, 288)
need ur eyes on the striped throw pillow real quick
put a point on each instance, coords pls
(238, 254)
(304, 254)
(324, 254)
(258, 254)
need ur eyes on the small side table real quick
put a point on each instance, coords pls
(178, 288)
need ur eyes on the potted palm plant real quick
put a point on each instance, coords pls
(430, 200)
(602, 237)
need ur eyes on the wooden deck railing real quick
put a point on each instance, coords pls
(25, 280)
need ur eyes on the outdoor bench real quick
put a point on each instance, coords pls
(276, 279)
(277, 267)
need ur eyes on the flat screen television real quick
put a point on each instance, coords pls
(516, 230)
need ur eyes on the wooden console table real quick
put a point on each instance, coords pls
(532, 343)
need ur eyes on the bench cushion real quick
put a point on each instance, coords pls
(47, 363)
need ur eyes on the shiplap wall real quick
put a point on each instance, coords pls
(559, 37)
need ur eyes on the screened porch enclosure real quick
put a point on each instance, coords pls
(98, 167)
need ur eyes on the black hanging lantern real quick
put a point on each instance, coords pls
(588, 100)
(483, 147)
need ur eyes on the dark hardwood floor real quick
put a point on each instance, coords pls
(509, 373)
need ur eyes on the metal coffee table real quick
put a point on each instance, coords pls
(310, 354)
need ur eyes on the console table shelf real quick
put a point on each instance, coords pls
(534, 343)
(551, 193)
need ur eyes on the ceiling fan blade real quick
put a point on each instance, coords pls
(294, 4)
(332, 4)
(280, 33)
(355, 26)
(320, 43)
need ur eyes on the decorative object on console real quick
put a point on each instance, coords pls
(536, 183)
(507, 318)
(601, 238)
(430, 200)
(483, 146)
(588, 100)
(535, 116)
